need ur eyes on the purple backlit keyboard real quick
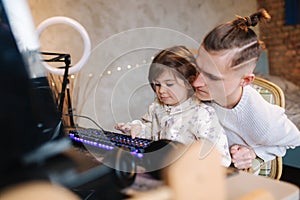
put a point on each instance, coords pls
(107, 140)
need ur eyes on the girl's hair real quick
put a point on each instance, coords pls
(238, 36)
(177, 59)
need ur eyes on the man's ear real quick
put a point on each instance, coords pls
(191, 79)
(248, 79)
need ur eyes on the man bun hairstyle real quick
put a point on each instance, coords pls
(244, 22)
(238, 38)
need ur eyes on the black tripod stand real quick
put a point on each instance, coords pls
(65, 58)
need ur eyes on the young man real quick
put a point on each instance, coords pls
(254, 127)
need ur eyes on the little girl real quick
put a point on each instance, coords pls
(176, 114)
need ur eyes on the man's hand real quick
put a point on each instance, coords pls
(242, 156)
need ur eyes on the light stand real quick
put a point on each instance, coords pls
(66, 58)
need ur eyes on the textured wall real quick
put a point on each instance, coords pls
(113, 86)
(282, 42)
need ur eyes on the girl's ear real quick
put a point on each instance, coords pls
(247, 79)
(189, 85)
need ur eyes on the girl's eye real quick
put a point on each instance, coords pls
(169, 84)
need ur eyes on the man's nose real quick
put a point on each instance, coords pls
(198, 82)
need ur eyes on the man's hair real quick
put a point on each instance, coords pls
(237, 38)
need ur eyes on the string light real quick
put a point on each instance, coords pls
(109, 72)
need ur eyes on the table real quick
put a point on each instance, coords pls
(243, 183)
(238, 186)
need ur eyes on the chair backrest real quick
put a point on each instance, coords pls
(273, 94)
(270, 91)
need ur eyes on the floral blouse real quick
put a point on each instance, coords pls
(184, 123)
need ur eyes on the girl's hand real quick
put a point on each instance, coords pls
(124, 127)
(135, 130)
(129, 129)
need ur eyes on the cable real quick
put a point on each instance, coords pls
(86, 117)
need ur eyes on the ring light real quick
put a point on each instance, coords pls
(86, 40)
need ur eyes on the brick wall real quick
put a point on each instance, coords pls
(282, 42)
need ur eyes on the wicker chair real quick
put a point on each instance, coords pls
(273, 94)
